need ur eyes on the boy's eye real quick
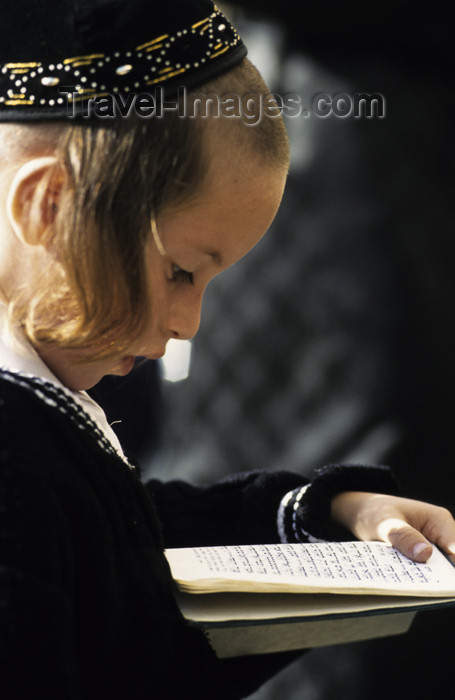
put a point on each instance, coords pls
(179, 275)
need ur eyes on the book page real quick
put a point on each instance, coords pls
(351, 567)
(220, 608)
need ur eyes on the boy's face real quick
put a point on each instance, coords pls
(200, 239)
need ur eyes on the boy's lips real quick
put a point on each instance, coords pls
(127, 363)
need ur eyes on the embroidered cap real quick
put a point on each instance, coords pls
(58, 56)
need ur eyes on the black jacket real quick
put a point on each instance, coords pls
(86, 602)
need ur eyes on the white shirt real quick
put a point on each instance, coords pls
(17, 355)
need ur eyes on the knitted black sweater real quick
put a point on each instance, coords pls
(86, 603)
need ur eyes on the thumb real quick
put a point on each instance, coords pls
(408, 541)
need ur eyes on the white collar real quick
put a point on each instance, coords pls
(17, 355)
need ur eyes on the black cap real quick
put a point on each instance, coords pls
(57, 55)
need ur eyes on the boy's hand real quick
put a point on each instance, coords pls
(408, 525)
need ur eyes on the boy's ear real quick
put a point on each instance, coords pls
(39, 173)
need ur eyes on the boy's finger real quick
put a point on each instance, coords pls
(440, 528)
(410, 542)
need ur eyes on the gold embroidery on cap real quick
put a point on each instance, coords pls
(153, 41)
(89, 76)
(218, 53)
(84, 59)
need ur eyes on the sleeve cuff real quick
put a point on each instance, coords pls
(304, 513)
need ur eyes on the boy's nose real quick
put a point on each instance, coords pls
(183, 320)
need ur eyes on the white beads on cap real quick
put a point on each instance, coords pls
(50, 80)
(123, 70)
(86, 77)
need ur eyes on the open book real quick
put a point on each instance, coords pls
(258, 599)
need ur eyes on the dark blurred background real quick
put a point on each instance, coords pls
(333, 340)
